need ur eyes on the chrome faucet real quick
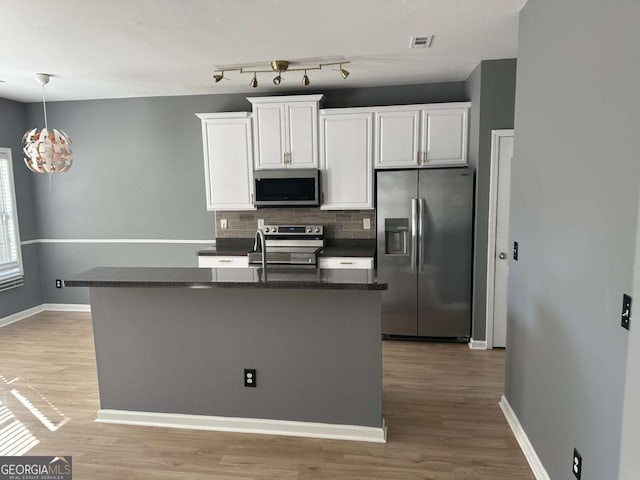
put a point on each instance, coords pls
(263, 246)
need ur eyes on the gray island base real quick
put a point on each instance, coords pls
(174, 356)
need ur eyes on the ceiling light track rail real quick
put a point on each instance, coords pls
(279, 67)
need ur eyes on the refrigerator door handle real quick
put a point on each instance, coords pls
(414, 234)
(422, 208)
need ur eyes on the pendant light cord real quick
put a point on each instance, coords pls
(44, 107)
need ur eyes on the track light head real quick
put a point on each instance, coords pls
(277, 79)
(343, 72)
(305, 79)
(254, 81)
(218, 76)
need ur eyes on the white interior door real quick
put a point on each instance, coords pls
(502, 152)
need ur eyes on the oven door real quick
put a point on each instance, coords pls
(282, 188)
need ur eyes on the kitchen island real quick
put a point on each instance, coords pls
(173, 344)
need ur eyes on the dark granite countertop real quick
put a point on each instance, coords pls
(252, 277)
(239, 247)
(229, 247)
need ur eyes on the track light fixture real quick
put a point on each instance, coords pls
(343, 72)
(279, 67)
(219, 76)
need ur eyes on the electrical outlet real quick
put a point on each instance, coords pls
(260, 222)
(626, 312)
(515, 251)
(249, 377)
(576, 468)
(58, 283)
(366, 223)
(223, 223)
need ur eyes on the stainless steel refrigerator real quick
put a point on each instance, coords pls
(424, 234)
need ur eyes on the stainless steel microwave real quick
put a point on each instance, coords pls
(286, 188)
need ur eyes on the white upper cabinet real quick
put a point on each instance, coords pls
(397, 138)
(228, 160)
(421, 135)
(445, 136)
(286, 131)
(346, 153)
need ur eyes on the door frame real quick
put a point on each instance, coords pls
(496, 135)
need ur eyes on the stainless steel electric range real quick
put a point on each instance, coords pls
(291, 245)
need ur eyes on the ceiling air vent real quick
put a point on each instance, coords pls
(420, 42)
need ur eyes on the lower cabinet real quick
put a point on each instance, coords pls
(346, 262)
(214, 261)
(346, 159)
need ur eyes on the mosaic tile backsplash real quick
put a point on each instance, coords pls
(337, 223)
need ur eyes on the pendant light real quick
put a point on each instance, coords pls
(46, 151)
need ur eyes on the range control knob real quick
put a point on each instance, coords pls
(274, 229)
(317, 230)
(308, 229)
(266, 229)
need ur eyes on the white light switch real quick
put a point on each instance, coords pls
(366, 223)
(223, 223)
(260, 222)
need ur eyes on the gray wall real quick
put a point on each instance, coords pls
(491, 89)
(573, 211)
(629, 458)
(12, 126)
(138, 173)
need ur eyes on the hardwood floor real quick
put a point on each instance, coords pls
(440, 405)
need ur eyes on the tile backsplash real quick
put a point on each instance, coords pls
(337, 223)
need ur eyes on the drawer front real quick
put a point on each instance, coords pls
(211, 261)
(345, 262)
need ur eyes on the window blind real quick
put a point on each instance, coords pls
(11, 272)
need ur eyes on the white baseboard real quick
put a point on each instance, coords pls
(525, 445)
(245, 425)
(45, 307)
(67, 307)
(21, 315)
(477, 344)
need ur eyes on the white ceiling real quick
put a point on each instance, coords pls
(135, 48)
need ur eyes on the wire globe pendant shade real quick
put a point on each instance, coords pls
(47, 150)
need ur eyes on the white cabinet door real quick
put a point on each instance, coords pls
(346, 262)
(270, 137)
(228, 161)
(445, 137)
(216, 261)
(397, 138)
(346, 160)
(301, 120)
(286, 131)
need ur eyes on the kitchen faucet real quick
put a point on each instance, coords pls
(263, 246)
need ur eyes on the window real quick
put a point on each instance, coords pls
(11, 272)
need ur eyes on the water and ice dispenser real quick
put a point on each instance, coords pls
(396, 236)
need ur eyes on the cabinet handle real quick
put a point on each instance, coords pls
(419, 158)
(346, 263)
(252, 198)
(224, 260)
(426, 157)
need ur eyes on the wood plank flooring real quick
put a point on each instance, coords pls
(440, 405)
